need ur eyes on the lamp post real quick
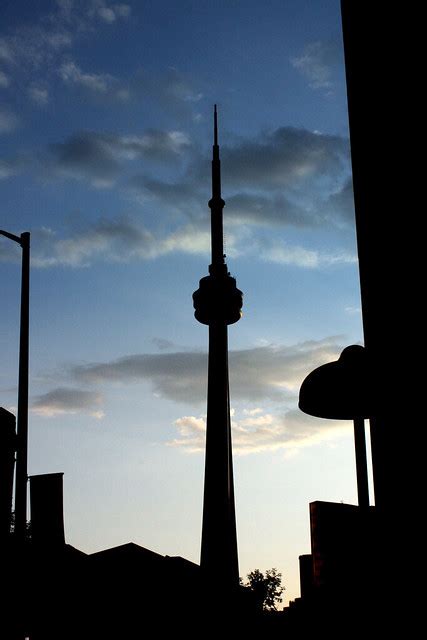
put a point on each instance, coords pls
(22, 422)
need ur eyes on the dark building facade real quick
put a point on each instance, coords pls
(47, 509)
(7, 467)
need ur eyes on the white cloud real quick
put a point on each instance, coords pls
(108, 13)
(290, 432)
(282, 253)
(171, 90)
(100, 158)
(154, 143)
(113, 240)
(6, 54)
(353, 310)
(36, 49)
(4, 80)
(72, 74)
(272, 372)
(286, 157)
(66, 400)
(8, 121)
(121, 239)
(316, 63)
(10, 167)
(289, 176)
(122, 10)
(39, 95)
(252, 412)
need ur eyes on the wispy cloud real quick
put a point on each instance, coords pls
(122, 240)
(9, 121)
(316, 63)
(271, 372)
(72, 74)
(4, 80)
(280, 252)
(39, 95)
(100, 157)
(353, 310)
(35, 51)
(286, 157)
(289, 176)
(108, 12)
(290, 432)
(171, 90)
(11, 167)
(112, 240)
(67, 400)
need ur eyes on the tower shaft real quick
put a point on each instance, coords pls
(219, 534)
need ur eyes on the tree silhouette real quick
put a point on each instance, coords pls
(267, 588)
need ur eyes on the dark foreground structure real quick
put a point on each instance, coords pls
(359, 577)
(56, 591)
(357, 580)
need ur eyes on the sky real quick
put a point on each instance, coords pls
(105, 150)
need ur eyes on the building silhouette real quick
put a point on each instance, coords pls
(217, 304)
(7, 467)
(359, 568)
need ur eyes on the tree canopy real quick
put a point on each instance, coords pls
(267, 588)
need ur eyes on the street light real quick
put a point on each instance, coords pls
(22, 422)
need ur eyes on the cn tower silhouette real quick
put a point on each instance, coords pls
(218, 303)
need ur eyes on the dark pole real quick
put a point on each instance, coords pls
(22, 421)
(361, 464)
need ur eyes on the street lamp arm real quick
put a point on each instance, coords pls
(17, 239)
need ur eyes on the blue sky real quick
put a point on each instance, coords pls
(106, 134)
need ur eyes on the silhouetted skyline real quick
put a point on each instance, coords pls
(105, 123)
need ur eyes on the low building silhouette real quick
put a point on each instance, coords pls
(7, 466)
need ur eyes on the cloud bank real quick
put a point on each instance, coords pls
(290, 432)
(316, 63)
(271, 372)
(66, 400)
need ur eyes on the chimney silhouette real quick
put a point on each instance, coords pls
(47, 511)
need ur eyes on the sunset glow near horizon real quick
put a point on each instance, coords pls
(106, 130)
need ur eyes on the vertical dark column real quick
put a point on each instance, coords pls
(22, 426)
(217, 304)
(219, 537)
(378, 39)
(372, 51)
(361, 462)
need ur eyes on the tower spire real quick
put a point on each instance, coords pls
(216, 204)
(215, 127)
